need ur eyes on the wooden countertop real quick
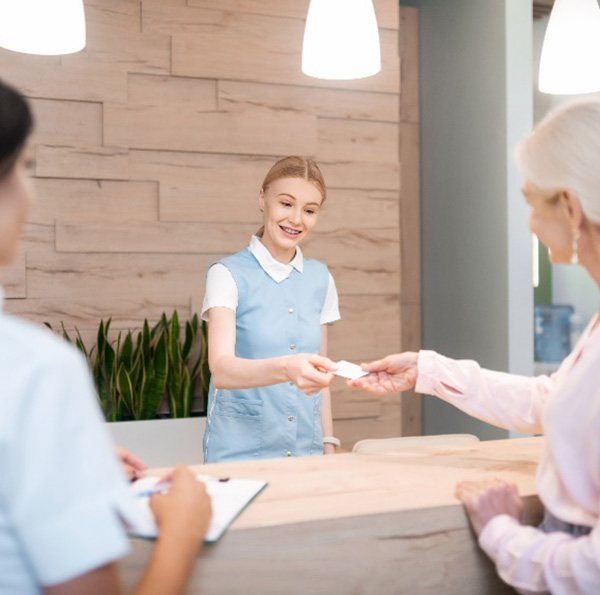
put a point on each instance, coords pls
(359, 524)
(345, 485)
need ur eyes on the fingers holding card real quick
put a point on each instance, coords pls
(349, 370)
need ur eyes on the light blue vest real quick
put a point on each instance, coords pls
(272, 319)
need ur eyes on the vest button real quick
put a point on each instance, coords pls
(292, 347)
(291, 310)
(288, 453)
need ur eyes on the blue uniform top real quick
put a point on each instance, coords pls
(63, 497)
(272, 319)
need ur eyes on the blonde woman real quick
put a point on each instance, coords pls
(560, 161)
(268, 309)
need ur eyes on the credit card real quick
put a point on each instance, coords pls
(349, 370)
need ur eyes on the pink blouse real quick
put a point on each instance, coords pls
(566, 408)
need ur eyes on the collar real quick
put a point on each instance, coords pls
(1, 299)
(278, 271)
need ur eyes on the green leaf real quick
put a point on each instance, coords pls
(187, 394)
(195, 323)
(80, 343)
(190, 338)
(65, 334)
(109, 360)
(126, 388)
(146, 339)
(139, 396)
(101, 338)
(174, 346)
(137, 369)
(81, 346)
(156, 380)
(174, 381)
(126, 354)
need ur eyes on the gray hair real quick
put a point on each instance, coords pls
(563, 152)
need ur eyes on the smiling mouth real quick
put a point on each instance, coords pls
(293, 233)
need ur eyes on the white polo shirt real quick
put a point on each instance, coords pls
(221, 290)
(63, 496)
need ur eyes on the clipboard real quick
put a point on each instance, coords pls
(228, 497)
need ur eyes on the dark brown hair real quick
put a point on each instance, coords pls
(16, 124)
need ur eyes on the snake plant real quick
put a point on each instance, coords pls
(134, 376)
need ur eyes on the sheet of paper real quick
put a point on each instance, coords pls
(228, 499)
(349, 370)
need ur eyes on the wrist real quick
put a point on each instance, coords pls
(284, 367)
(332, 440)
(495, 532)
(181, 535)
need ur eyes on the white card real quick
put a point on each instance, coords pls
(349, 370)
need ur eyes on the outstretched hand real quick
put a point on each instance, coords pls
(392, 374)
(310, 372)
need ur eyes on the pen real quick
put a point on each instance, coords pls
(157, 489)
(162, 488)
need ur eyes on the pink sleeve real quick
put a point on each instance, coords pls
(505, 400)
(536, 562)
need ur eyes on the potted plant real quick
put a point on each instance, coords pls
(146, 383)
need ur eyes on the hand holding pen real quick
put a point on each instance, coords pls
(181, 505)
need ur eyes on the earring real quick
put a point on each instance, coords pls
(575, 248)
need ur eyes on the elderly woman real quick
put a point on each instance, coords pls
(560, 162)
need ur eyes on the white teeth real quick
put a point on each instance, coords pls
(294, 232)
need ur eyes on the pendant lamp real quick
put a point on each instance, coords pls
(570, 60)
(341, 40)
(45, 27)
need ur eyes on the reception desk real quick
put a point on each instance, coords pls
(360, 524)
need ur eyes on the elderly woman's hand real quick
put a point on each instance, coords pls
(486, 499)
(392, 374)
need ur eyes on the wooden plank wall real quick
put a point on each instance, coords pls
(150, 148)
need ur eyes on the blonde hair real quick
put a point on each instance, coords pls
(295, 166)
(563, 151)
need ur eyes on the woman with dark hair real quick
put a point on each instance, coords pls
(63, 497)
(16, 124)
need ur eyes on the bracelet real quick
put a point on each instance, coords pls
(332, 440)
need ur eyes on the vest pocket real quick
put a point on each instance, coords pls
(243, 408)
(238, 429)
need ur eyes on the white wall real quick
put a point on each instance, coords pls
(476, 102)
(162, 443)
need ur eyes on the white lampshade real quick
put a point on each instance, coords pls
(341, 40)
(46, 27)
(570, 61)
